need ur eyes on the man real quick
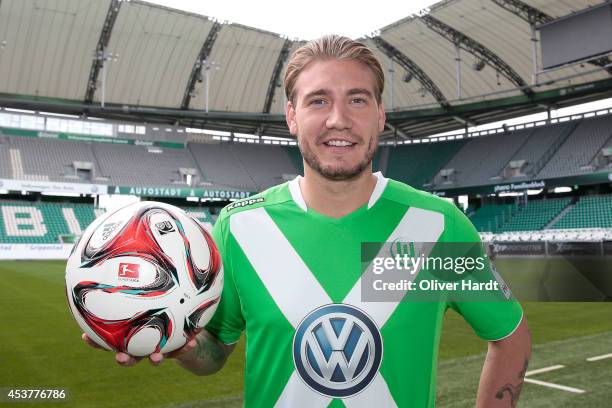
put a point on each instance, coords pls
(293, 264)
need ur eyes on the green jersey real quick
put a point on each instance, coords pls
(292, 281)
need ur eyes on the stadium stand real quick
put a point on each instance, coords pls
(565, 148)
(417, 164)
(538, 152)
(139, 165)
(265, 165)
(490, 217)
(481, 159)
(49, 223)
(590, 217)
(588, 212)
(555, 150)
(251, 167)
(43, 223)
(577, 154)
(39, 159)
(541, 142)
(5, 158)
(218, 164)
(535, 215)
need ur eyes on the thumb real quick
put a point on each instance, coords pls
(187, 347)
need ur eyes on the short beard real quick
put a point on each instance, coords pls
(339, 173)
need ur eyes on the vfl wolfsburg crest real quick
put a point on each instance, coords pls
(337, 350)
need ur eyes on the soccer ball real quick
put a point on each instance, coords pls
(143, 279)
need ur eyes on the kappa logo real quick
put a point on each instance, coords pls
(128, 271)
(164, 227)
(244, 203)
(337, 350)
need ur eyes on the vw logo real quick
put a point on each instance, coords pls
(337, 350)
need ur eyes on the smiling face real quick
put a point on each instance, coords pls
(336, 118)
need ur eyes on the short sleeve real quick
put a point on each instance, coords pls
(227, 323)
(492, 319)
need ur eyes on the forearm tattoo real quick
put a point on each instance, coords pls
(513, 390)
(209, 349)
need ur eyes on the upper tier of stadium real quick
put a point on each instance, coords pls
(459, 63)
(545, 150)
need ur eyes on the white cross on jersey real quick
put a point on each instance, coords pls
(299, 293)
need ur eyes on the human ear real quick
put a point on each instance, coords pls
(382, 117)
(290, 118)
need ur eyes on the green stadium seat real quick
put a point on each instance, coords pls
(417, 164)
(42, 223)
(588, 212)
(533, 216)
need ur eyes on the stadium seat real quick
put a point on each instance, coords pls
(42, 223)
(589, 212)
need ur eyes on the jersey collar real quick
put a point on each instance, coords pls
(296, 193)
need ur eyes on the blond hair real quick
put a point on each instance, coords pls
(331, 47)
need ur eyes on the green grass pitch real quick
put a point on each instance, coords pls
(40, 347)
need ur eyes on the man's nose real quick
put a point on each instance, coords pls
(339, 117)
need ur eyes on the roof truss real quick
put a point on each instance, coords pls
(477, 49)
(411, 67)
(196, 71)
(274, 80)
(99, 57)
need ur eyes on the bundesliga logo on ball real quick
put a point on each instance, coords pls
(143, 279)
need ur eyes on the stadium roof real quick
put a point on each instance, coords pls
(157, 59)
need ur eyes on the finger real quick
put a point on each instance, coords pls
(156, 358)
(90, 342)
(126, 360)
